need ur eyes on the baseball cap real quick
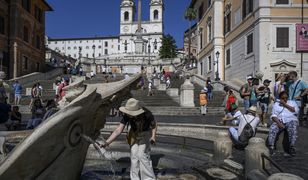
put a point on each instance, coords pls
(267, 81)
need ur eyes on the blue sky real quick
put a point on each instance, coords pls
(86, 18)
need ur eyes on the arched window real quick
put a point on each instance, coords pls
(155, 14)
(126, 16)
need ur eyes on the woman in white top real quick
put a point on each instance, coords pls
(284, 116)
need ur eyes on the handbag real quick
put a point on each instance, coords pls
(131, 137)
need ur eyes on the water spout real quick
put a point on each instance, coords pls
(101, 151)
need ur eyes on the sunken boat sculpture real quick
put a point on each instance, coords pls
(55, 149)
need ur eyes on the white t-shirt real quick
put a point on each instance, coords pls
(283, 113)
(254, 121)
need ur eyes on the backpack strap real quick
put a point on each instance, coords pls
(247, 121)
(295, 89)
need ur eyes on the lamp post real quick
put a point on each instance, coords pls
(80, 49)
(217, 63)
(149, 52)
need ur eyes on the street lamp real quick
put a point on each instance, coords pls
(93, 47)
(217, 73)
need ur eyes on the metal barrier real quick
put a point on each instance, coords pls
(265, 157)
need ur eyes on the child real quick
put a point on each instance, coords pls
(203, 102)
(231, 106)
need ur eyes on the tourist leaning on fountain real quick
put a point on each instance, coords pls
(141, 134)
(284, 116)
(246, 129)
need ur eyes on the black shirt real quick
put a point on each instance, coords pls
(143, 122)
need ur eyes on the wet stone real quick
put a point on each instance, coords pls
(220, 174)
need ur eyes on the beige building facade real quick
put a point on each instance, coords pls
(250, 36)
(22, 32)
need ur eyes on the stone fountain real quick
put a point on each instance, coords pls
(55, 150)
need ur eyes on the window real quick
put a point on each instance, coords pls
(38, 42)
(210, 63)
(106, 44)
(227, 22)
(2, 25)
(106, 51)
(75, 47)
(25, 63)
(38, 14)
(249, 44)
(75, 55)
(228, 57)
(26, 34)
(209, 26)
(155, 14)
(99, 47)
(87, 47)
(119, 47)
(99, 54)
(26, 5)
(68, 48)
(155, 46)
(200, 11)
(126, 16)
(87, 55)
(201, 39)
(247, 7)
(93, 55)
(282, 1)
(125, 46)
(282, 37)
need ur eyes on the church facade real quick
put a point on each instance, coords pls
(119, 48)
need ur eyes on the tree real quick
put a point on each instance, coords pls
(168, 48)
(190, 15)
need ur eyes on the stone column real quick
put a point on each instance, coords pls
(222, 148)
(284, 176)
(253, 151)
(15, 60)
(187, 94)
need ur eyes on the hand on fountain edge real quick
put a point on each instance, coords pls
(153, 141)
(104, 145)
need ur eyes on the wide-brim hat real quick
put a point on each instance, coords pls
(253, 109)
(132, 108)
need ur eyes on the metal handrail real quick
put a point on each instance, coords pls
(276, 165)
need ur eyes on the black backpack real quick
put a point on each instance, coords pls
(247, 132)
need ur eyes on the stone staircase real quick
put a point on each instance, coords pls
(164, 105)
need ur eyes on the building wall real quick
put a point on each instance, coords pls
(28, 54)
(263, 21)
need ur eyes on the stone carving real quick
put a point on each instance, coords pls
(55, 149)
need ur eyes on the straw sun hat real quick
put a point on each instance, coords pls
(132, 108)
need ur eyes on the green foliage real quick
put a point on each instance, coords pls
(168, 48)
(190, 14)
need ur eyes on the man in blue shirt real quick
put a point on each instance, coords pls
(297, 89)
(17, 90)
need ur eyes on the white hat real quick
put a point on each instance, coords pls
(253, 109)
(132, 108)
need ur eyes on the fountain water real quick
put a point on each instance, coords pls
(101, 151)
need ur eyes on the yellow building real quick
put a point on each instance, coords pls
(250, 36)
(22, 35)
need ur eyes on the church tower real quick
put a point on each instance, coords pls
(156, 10)
(127, 14)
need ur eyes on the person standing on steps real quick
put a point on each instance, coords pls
(203, 102)
(141, 135)
(17, 92)
(245, 92)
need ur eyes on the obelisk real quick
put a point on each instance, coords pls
(139, 42)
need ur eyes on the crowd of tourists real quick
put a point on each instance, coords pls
(40, 107)
(285, 99)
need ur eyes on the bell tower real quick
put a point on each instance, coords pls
(156, 10)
